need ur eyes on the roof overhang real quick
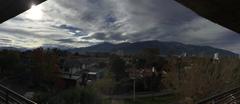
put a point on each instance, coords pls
(12, 8)
(222, 12)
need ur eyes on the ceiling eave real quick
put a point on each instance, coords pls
(12, 8)
(223, 12)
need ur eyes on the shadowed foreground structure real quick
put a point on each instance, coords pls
(8, 96)
(226, 97)
(222, 12)
(12, 8)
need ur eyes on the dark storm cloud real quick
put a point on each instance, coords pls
(99, 36)
(69, 27)
(74, 30)
(56, 46)
(66, 40)
(137, 19)
(72, 41)
(125, 16)
(110, 18)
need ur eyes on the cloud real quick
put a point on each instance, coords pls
(66, 40)
(72, 30)
(79, 23)
(5, 42)
(73, 41)
(107, 37)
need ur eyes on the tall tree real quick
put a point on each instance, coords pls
(118, 67)
(9, 61)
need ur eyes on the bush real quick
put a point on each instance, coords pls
(106, 85)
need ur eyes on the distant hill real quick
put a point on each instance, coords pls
(166, 48)
(12, 48)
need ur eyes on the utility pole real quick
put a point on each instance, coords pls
(152, 84)
(134, 90)
(134, 81)
(133, 77)
(178, 69)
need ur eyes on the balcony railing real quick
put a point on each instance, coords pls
(228, 97)
(8, 96)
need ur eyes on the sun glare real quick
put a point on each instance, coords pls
(35, 13)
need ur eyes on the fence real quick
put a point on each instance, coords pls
(228, 97)
(8, 96)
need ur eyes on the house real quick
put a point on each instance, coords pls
(72, 71)
(142, 73)
(216, 56)
(94, 75)
(77, 72)
(72, 65)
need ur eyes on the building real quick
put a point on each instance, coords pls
(80, 71)
(72, 66)
(216, 57)
(72, 71)
(94, 75)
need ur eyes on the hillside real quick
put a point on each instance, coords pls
(166, 48)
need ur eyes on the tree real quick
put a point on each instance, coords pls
(118, 67)
(148, 59)
(151, 56)
(9, 61)
(44, 66)
(201, 77)
(105, 85)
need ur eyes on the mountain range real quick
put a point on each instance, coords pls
(13, 48)
(166, 48)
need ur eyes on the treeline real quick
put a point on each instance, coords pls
(34, 68)
(139, 67)
(191, 78)
(197, 78)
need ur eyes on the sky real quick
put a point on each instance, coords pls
(81, 23)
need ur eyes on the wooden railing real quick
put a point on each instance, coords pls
(227, 97)
(8, 96)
